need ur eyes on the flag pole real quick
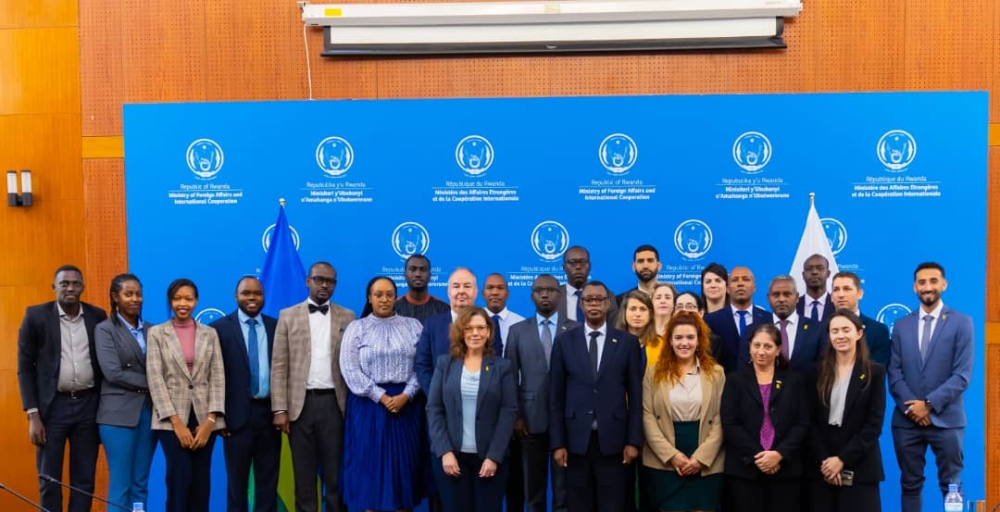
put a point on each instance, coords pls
(281, 201)
(812, 199)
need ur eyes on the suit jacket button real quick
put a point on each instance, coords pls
(190, 386)
(590, 412)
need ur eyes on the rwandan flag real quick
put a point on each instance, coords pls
(284, 280)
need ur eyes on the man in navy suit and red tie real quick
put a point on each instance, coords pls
(246, 338)
(929, 369)
(595, 418)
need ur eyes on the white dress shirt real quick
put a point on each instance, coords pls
(936, 314)
(600, 340)
(736, 316)
(571, 300)
(792, 328)
(507, 319)
(321, 364)
(820, 305)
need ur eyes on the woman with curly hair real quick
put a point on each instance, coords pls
(681, 399)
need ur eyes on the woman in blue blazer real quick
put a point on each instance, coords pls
(470, 414)
(125, 413)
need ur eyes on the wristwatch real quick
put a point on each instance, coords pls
(928, 404)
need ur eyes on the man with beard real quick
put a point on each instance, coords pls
(529, 348)
(815, 304)
(246, 338)
(929, 370)
(646, 265)
(417, 302)
(576, 264)
(730, 323)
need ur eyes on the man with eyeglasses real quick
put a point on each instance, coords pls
(58, 373)
(308, 393)
(434, 341)
(595, 408)
(576, 264)
(529, 348)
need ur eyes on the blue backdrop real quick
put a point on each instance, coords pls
(506, 185)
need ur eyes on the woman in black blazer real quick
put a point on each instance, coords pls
(765, 419)
(844, 449)
(470, 414)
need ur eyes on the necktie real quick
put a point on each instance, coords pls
(497, 338)
(546, 338)
(579, 307)
(743, 321)
(814, 314)
(322, 309)
(925, 338)
(593, 351)
(785, 349)
(254, 357)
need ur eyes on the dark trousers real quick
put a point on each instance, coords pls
(69, 419)
(515, 477)
(911, 450)
(255, 444)
(536, 461)
(189, 472)
(595, 482)
(856, 498)
(316, 440)
(763, 494)
(470, 493)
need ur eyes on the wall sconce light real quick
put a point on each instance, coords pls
(14, 198)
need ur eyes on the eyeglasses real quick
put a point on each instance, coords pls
(320, 280)
(593, 300)
(476, 328)
(545, 289)
(686, 307)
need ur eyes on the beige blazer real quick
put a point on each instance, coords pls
(292, 355)
(658, 426)
(175, 390)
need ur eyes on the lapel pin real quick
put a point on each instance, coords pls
(805, 327)
(487, 367)
(777, 384)
(944, 317)
(862, 376)
(614, 340)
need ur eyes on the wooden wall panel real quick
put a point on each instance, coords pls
(101, 80)
(104, 214)
(37, 13)
(947, 44)
(993, 244)
(40, 68)
(861, 46)
(595, 75)
(458, 77)
(995, 66)
(163, 50)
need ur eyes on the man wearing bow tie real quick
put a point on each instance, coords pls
(308, 393)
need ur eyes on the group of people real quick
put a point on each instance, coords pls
(651, 400)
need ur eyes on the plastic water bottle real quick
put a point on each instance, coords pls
(953, 500)
(138, 507)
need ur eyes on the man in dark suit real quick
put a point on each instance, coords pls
(529, 348)
(246, 338)
(59, 376)
(595, 416)
(730, 323)
(576, 264)
(929, 370)
(434, 342)
(417, 302)
(646, 265)
(815, 304)
(846, 292)
(802, 340)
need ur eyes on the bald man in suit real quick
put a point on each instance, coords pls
(308, 392)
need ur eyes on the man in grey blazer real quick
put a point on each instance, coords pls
(576, 264)
(929, 369)
(529, 348)
(308, 393)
